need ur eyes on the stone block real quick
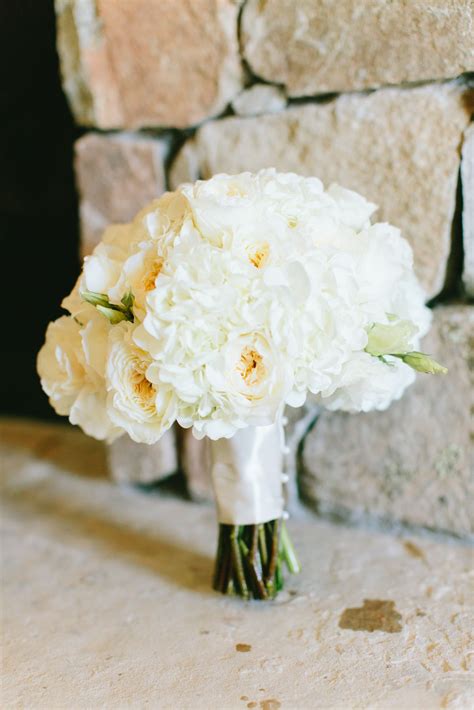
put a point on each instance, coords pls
(258, 99)
(467, 178)
(142, 63)
(130, 462)
(398, 147)
(324, 46)
(413, 463)
(195, 459)
(116, 175)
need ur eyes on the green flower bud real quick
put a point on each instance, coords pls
(128, 300)
(424, 363)
(390, 339)
(95, 299)
(113, 315)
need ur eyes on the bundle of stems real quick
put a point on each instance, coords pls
(250, 559)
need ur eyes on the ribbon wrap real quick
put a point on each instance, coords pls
(247, 476)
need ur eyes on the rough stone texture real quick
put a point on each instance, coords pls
(135, 63)
(186, 164)
(106, 603)
(398, 147)
(130, 462)
(320, 46)
(116, 176)
(297, 423)
(413, 463)
(467, 177)
(258, 99)
(195, 458)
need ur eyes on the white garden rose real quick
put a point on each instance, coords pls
(143, 408)
(70, 374)
(61, 365)
(102, 269)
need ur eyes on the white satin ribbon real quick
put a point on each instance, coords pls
(247, 476)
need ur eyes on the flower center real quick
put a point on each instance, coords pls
(143, 388)
(251, 367)
(149, 280)
(259, 256)
(235, 191)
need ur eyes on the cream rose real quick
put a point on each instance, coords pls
(145, 409)
(69, 376)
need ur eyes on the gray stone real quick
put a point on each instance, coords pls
(297, 423)
(398, 147)
(141, 63)
(321, 46)
(117, 175)
(467, 178)
(130, 462)
(413, 463)
(195, 459)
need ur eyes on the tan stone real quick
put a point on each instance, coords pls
(321, 46)
(398, 147)
(413, 463)
(139, 63)
(106, 603)
(117, 175)
(467, 177)
(130, 462)
(258, 99)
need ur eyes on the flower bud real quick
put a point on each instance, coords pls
(128, 300)
(424, 363)
(114, 316)
(95, 299)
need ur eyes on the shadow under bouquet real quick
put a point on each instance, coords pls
(219, 305)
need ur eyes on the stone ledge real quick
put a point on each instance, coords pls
(106, 602)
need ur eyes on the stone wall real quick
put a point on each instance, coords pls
(376, 96)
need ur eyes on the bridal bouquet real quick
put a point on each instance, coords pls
(220, 304)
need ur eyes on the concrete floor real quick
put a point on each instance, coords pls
(106, 602)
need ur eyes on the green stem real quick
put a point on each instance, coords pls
(288, 551)
(249, 559)
(237, 562)
(262, 544)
